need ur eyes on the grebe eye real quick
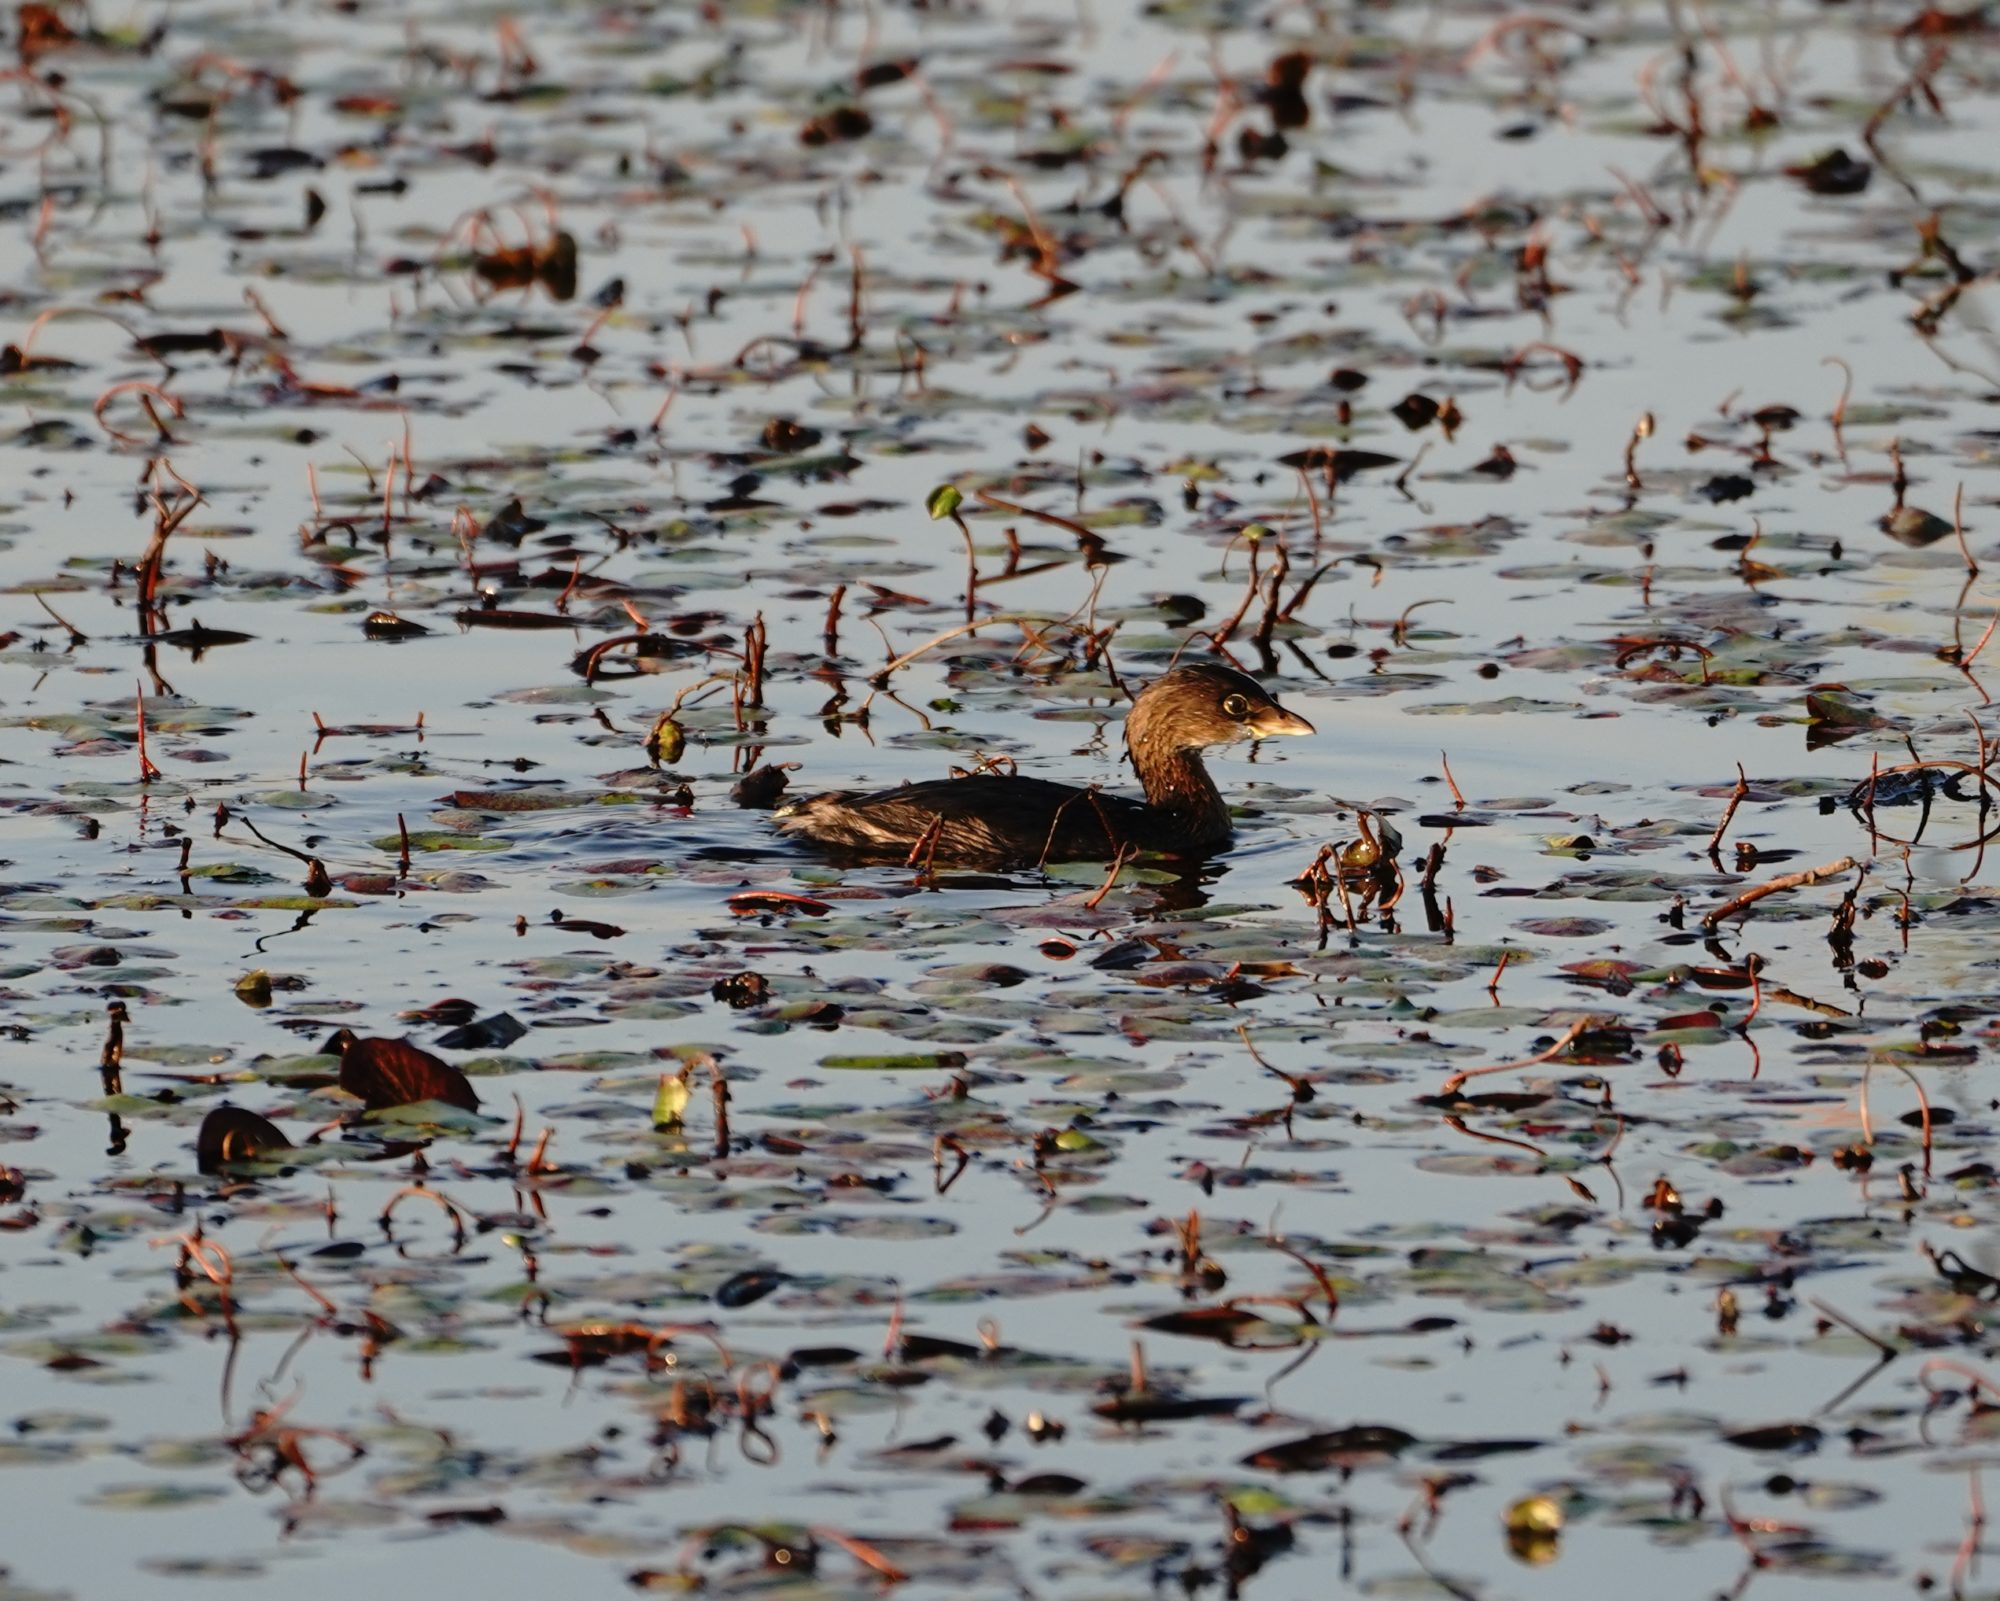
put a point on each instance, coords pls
(1235, 706)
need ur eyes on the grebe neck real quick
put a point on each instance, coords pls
(1176, 781)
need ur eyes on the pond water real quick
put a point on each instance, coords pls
(473, 440)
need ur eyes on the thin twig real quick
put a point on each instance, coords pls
(1457, 1080)
(1852, 1327)
(1457, 797)
(1750, 897)
(1735, 800)
(76, 635)
(1125, 854)
(944, 636)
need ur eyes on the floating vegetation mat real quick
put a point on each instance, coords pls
(467, 470)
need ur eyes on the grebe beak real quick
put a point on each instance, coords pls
(1277, 721)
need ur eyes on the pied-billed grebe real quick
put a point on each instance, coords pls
(992, 821)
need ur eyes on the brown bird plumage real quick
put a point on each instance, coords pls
(996, 821)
